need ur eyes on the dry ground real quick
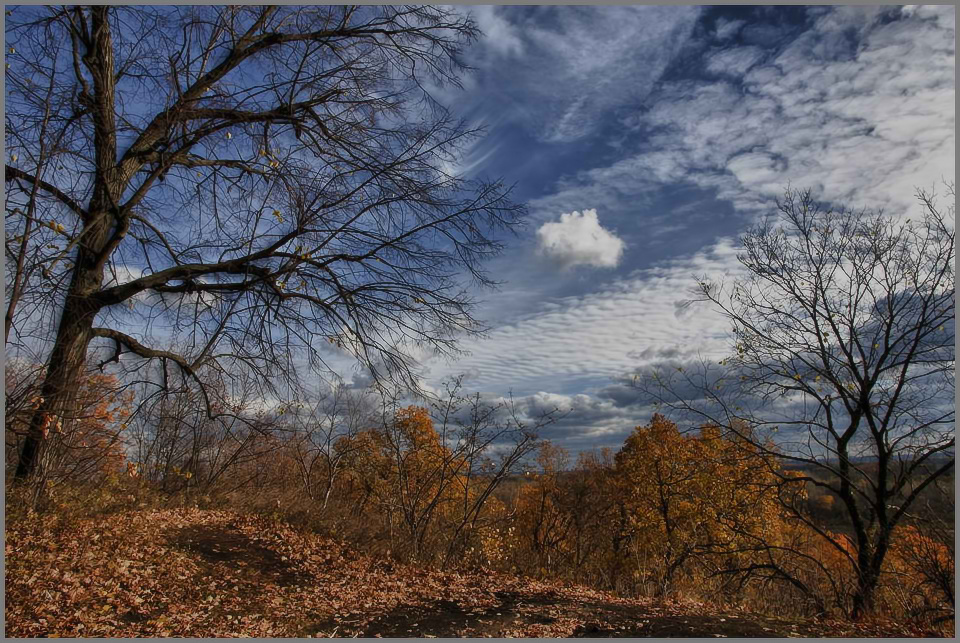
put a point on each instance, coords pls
(213, 573)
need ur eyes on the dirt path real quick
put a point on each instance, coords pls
(207, 573)
(515, 613)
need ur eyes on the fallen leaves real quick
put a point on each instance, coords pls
(200, 573)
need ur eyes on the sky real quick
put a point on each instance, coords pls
(644, 140)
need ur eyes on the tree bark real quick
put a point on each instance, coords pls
(102, 229)
(66, 365)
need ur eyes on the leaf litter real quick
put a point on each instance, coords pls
(203, 573)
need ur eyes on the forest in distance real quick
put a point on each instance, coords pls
(675, 514)
(251, 388)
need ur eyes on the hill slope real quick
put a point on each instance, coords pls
(213, 573)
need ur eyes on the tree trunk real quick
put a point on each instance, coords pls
(863, 599)
(871, 562)
(67, 362)
(69, 355)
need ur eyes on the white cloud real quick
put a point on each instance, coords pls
(569, 66)
(579, 240)
(734, 61)
(499, 35)
(863, 126)
(728, 28)
(571, 343)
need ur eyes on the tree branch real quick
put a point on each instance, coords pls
(12, 173)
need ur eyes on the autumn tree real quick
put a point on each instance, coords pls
(693, 497)
(843, 363)
(246, 190)
(175, 445)
(85, 446)
(926, 557)
(313, 430)
(433, 471)
(564, 514)
(542, 524)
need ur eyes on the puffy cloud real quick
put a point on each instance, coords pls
(578, 239)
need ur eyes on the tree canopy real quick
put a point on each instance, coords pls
(843, 361)
(239, 190)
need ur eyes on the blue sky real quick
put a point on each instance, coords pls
(644, 140)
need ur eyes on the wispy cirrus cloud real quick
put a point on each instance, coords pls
(573, 342)
(573, 65)
(863, 125)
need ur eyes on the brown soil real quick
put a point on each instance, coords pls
(198, 573)
(516, 613)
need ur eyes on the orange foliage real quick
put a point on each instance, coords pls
(414, 481)
(82, 443)
(691, 496)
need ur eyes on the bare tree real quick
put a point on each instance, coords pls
(843, 364)
(262, 186)
(317, 428)
(175, 445)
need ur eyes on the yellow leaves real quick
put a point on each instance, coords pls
(12, 50)
(299, 251)
(229, 136)
(278, 216)
(14, 157)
